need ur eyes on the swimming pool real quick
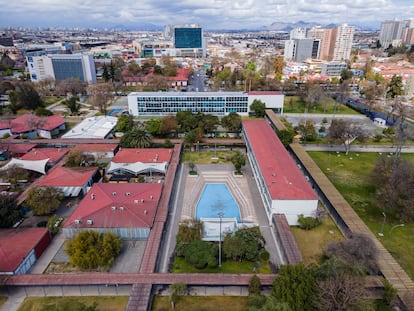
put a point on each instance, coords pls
(214, 199)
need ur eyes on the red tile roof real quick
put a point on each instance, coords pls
(66, 177)
(53, 154)
(4, 125)
(110, 205)
(16, 244)
(28, 122)
(97, 147)
(21, 148)
(282, 177)
(144, 155)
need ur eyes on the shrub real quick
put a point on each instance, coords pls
(308, 223)
(264, 255)
(6, 135)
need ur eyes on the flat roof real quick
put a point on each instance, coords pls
(283, 178)
(144, 155)
(93, 127)
(186, 94)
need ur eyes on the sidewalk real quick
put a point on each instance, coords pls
(44, 260)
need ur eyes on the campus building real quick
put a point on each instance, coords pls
(282, 186)
(62, 66)
(215, 103)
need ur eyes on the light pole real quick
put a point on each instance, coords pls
(220, 214)
(383, 224)
(396, 226)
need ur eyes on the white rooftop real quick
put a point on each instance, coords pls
(93, 127)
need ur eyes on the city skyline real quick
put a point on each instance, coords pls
(210, 14)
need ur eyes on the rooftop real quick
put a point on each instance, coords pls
(28, 122)
(282, 177)
(93, 127)
(148, 155)
(67, 177)
(53, 154)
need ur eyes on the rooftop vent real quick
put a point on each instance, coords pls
(136, 201)
(145, 212)
(128, 194)
(92, 196)
(113, 208)
(121, 208)
(114, 193)
(77, 221)
(89, 222)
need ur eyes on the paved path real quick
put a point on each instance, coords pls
(41, 264)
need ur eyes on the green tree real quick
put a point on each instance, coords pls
(244, 244)
(53, 224)
(24, 96)
(91, 250)
(43, 112)
(169, 125)
(258, 108)
(255, 285)
(43, 200)
(238, 160)
(105, 74)
(200, 254)
(306, 129)
(73, 105)
(186, 121)
(176, 291)
(138, 137)
(232, 122)
(9, 212)
(153, 126)
(395, 87)
(125, 123)
(286, 136)
(346, 74)
(296, 286)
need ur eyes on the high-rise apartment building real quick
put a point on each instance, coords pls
(298, 33)
(62, 66)
(392, 32)
(300, 49)
(337, 43)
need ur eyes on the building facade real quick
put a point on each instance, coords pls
(215, 103)
(62, 66)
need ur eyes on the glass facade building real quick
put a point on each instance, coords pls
(188, 38)
(161, 104)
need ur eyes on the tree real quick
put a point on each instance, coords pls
(314, 95)
(138, 137)
(255, 285)
(105, 74)
(278, 65)
(346, 74)
(125, 123)
(101, 95)
(43, 112)
(395, 87)
(306, 129)
(232, 122)
(193, 136)
(90, 249)
(9, 212)
(296, 286)
(24, 96)
(345, 132)
(71, 86)
(258, 108)
(286, 136)
(153, 126)
(176, 290)
(77, 158)
(393, 179)
(244, 244)
(73, 105)
(341, 285)
(168, 125)
(200, 254)
(186, 121)
(238, 160)
(38, 196)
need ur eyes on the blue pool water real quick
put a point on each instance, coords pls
(217, 198)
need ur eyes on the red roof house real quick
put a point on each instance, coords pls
(72, 182)
(284, 186)
(20, 248)
(33, 125)
(128, 210)
(53, 154)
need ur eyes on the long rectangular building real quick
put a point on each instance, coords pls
(215, 103)
(282, 186)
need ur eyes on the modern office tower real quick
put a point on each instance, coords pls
(300, 49)
(343, 42)
(392, 32)
(189, 40)
(62, 66)
(298, 33)
(337, 43)
(315, 33)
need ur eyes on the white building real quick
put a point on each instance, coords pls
(343, 42)
(93, 127)
(215, 103)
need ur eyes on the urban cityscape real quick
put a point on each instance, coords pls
(186, 168)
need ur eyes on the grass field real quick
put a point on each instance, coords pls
(350, 175)
(181, 266)
(201, 303)
(293, 104)
(312, 242)
(104, 303)
(207, 157)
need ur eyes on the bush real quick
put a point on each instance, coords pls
(264, 255)
(308, 223)
(6, 135)
(168, 144)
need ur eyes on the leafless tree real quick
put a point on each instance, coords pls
(72, 86)
(345, 132)
(101, 95)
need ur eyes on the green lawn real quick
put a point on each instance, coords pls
(201, 303)
(350, 175)
(104, 303)
(228, 266)
(293, 104)
(207, 157)
(312, 242)
(50, 100)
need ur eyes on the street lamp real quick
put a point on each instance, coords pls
(396, 226)
(383, 224)
(220, 214)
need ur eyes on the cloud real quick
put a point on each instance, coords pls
(210, 14)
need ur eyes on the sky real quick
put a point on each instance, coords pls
(210, 14)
